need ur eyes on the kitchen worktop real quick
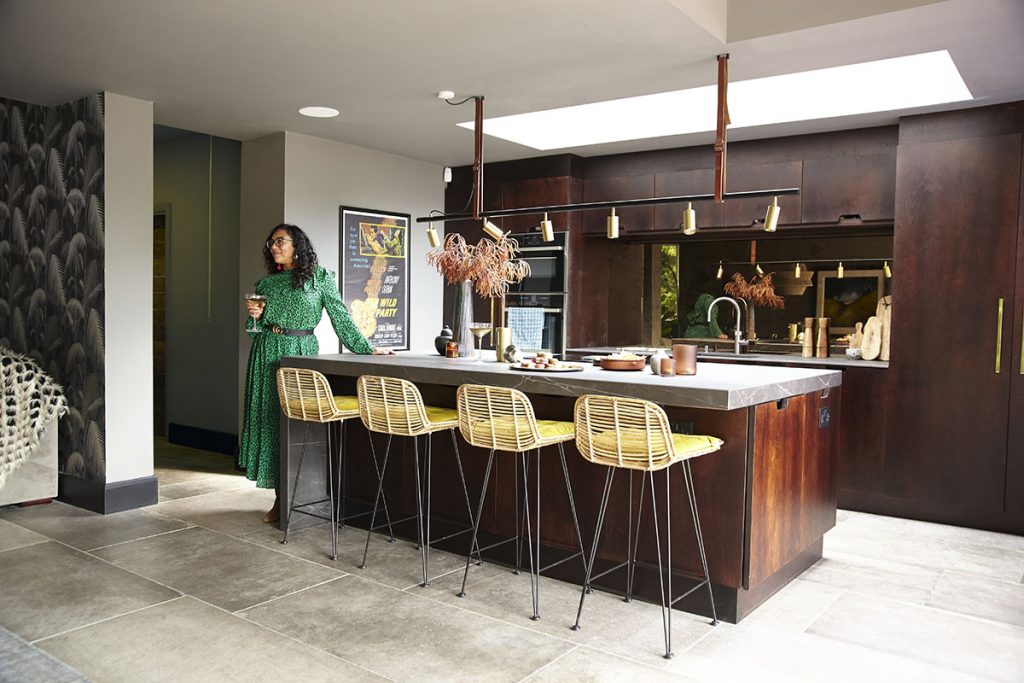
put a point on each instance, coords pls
(716, 386)
(839, 360)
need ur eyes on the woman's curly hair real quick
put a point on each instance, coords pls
(305, 256)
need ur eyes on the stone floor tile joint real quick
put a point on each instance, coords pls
(106, 619)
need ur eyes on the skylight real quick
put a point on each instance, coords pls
(884, 85)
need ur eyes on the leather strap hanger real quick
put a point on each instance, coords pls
(720, 129)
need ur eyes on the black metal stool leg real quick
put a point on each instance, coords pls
(383, 497)
(519, 525)
(376, 501)
(330, 488)
(608, 478)
(688, 475)
(572, 505)
(476, 523)
(529, 533)
(295, 486)
(419, 510)
(465, 489)
(342, 449)
(426, 522)
(661, 568)
(668, 558)
(631, 570)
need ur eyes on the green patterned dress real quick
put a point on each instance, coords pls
(295, 309)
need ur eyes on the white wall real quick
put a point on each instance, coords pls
(322, 175)
(128, 176)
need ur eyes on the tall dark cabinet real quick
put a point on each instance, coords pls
(954, 435)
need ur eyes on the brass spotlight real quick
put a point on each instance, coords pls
(796, 271)
(721, 271)
(613, 226)
(689, 224)
(547, 229)
(760, 271)
(432, 237)
(771, 219)
(493, 230)
(839, 271)
(886, 269)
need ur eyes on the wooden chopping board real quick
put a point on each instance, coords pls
(872, 344)
(884, 313)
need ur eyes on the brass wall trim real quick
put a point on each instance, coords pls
(1022, 344)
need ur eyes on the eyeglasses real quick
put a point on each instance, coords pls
(278, 242)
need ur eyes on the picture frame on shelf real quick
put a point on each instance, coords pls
(850, 299)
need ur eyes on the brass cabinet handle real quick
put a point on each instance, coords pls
(999, 336)
(1022, 345)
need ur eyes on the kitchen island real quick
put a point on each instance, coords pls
(766, 498)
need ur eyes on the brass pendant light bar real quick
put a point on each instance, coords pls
(619, 204)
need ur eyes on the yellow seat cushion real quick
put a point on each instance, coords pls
(505, 428)
(633, 444)
(346, 403)
(692, 445)
(553, 429)
(437, 415)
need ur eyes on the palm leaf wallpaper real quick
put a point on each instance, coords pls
(51, 260)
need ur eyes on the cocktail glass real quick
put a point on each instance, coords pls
(480, 330)
(251, 325)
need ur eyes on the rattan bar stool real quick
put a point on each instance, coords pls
(633, 434)
(392, 406)
(306, 395)
(501, 419)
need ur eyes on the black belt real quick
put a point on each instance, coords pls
(277, 329)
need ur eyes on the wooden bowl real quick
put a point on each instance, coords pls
(619, 364)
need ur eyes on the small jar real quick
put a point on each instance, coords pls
(667, 367)
(452, 349)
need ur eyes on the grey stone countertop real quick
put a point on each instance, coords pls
(754, 358)
(715, 386)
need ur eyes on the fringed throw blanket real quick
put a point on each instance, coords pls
(31, 400)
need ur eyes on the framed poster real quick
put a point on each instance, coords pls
(850, 299)
(374, 279)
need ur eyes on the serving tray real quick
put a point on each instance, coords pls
(622, 364)
(556, 368)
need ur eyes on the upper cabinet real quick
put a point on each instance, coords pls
(667, 217)
(743, 177)
(631, 220)
(535, 192)
(863, 186)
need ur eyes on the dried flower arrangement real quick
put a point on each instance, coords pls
(490, 264)
(760, 291)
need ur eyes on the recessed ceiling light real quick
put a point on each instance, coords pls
(884, 85)
(319, 112)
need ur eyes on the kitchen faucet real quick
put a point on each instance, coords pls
(738, 335)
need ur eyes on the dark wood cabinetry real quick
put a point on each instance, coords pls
(631, 220)
(1015, 437)
(743, 177)
(863, 186)
(667, 217)
(956, 234)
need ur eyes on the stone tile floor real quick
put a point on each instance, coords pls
(198, 588)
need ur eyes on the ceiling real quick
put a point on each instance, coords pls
(241, 68)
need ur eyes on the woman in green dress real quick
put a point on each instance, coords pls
(296, 291)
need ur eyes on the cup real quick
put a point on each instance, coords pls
(452, 349)
(793, 330)
(684, 357)
(502, 340)
(667, 367)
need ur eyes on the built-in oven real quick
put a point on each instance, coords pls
(552, 308)
(547, 261)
